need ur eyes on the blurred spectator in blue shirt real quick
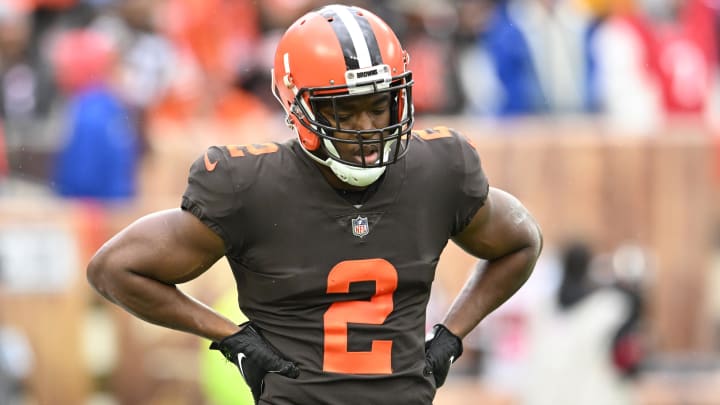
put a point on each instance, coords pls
(504, 48)
(100, 156)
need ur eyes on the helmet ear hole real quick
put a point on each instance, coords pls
(310, 141)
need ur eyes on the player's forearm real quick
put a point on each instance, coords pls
(489, 287)
(158, 303)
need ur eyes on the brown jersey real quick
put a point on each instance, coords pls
(337, 288)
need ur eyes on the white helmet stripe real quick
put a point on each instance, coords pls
(286, 62)
(356, 35)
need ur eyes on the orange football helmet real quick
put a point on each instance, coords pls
(337, 52)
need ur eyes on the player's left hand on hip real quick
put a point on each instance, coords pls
(442, 348)
(254, 357)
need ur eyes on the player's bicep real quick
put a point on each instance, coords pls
(501, 226)
(170, 246)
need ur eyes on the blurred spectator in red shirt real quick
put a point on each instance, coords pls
(686, 55)
(654, 63)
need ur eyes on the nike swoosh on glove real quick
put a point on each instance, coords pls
(254, 357)
(442, 348)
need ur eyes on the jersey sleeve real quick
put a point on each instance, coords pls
(210, 194)
(473, 187)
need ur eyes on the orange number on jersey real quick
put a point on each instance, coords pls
(337, 358)
(253, 149)
(435, 133)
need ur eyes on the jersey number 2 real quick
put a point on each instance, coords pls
(337, 358)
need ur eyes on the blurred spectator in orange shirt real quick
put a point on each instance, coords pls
(212, 38)
(429, 29)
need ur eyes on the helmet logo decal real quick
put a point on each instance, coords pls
(360, 226)
(357, 39)
(368, 80)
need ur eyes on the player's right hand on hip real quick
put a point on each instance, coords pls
(254, 357)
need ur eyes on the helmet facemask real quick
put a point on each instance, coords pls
(391, 142)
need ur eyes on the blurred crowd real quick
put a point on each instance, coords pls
(583, 309)
(83, 81)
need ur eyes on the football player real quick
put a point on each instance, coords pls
(333, 237)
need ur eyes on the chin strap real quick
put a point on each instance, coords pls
(352, 175)
(355, 176)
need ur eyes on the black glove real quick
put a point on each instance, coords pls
(254, 357)
(441, 350)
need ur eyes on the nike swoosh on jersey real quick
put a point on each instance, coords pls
(209, 166)
(240, 356)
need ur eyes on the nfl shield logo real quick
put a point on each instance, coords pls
(360, 226)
